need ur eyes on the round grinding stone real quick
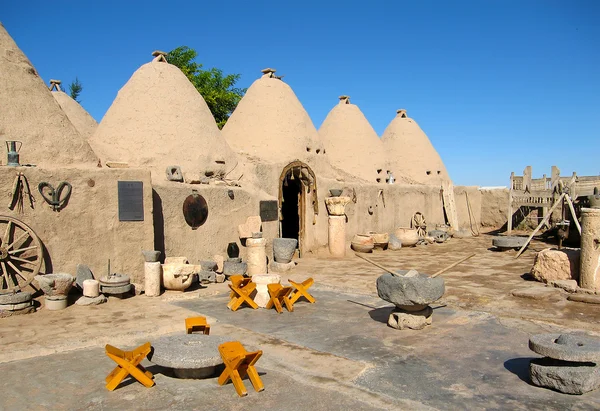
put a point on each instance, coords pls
(508, 242)
(566, 347)
(15, 298)
(115, 280)
(120, 289)
(187, 351)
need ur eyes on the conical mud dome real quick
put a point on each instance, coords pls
(30, 114)
(411, 154)
(81, 119)
(351, 143)
(270, 124)
(160, 120)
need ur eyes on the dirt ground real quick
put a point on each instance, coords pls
(334, 354)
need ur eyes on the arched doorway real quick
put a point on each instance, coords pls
(297, 195)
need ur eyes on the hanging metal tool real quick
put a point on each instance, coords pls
(55, 197)
(19, 191)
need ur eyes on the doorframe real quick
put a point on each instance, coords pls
(308, 180)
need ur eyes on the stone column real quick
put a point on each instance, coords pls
(91, 288)
(336, 206)
(589, 275)
(256, 256)
(153, 276)
(337, 235)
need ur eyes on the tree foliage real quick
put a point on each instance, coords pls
(75, 89)
(218, 90)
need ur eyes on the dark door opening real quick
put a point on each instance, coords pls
(290, 211)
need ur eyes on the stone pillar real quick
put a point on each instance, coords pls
(589, 275)
(256, 256)
(91, 288)
(337, 235)
(153, 276)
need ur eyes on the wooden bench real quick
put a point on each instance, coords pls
(128, 363)
(239, 363)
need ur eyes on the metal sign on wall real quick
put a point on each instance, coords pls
(131, 201)
(269, 210)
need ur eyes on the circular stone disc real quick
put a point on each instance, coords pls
(509, 242)
(566, 347)
(115, 280)
(16, 298)
(188, 351)
(119, 289)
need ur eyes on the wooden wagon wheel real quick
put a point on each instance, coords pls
(418, 222)
(21, 254)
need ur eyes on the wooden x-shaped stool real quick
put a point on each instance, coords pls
(197, 324)
(240, 295)
(238, 281)
(128, 363)
(301, 289)
(239, 363)
(279, 294)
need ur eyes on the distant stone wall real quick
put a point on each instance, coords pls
(494, 207)
(87, 230)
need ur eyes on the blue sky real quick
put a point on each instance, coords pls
(496, 85)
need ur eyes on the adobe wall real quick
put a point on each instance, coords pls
(494, 207)
(220, 228)
(87, 230)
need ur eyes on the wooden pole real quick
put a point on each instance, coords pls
(573, 213)
(443, 270)
(559, 201)
(377, 265)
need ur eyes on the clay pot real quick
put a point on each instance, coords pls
(283, 249)
(55, 285)
(407, 236)
(363, 243)
(380, 240)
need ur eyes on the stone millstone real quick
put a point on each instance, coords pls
(565, 376)
(508, 242)
(566, 347)
(414, 320)
(15, 298)
(15, 307)
(418, 290)
(91, 300)
(83, 273)
(116, 290)
(187, 351)
(115, 280)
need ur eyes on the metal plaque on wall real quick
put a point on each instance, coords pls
(131, 201)
(269, 210)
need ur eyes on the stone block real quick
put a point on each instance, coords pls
(565, 376)
(552, 264)
(220, 278)
(91, 300)
(414, 320)
(569, 286)
(174, 173)
(394, 243)
(585, 298)
(219, 261)
(538, 293)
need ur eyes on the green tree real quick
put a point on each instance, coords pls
(218, 90)
(75, 89)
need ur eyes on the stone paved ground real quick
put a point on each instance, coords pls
(335, 354)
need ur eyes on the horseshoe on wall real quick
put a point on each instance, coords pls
(55, 197)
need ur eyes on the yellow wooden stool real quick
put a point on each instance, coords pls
(238, 281)
(239, 363)
(279, 294)
(301, 290)
(197, 324)
(240, 295)
(128, 363)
